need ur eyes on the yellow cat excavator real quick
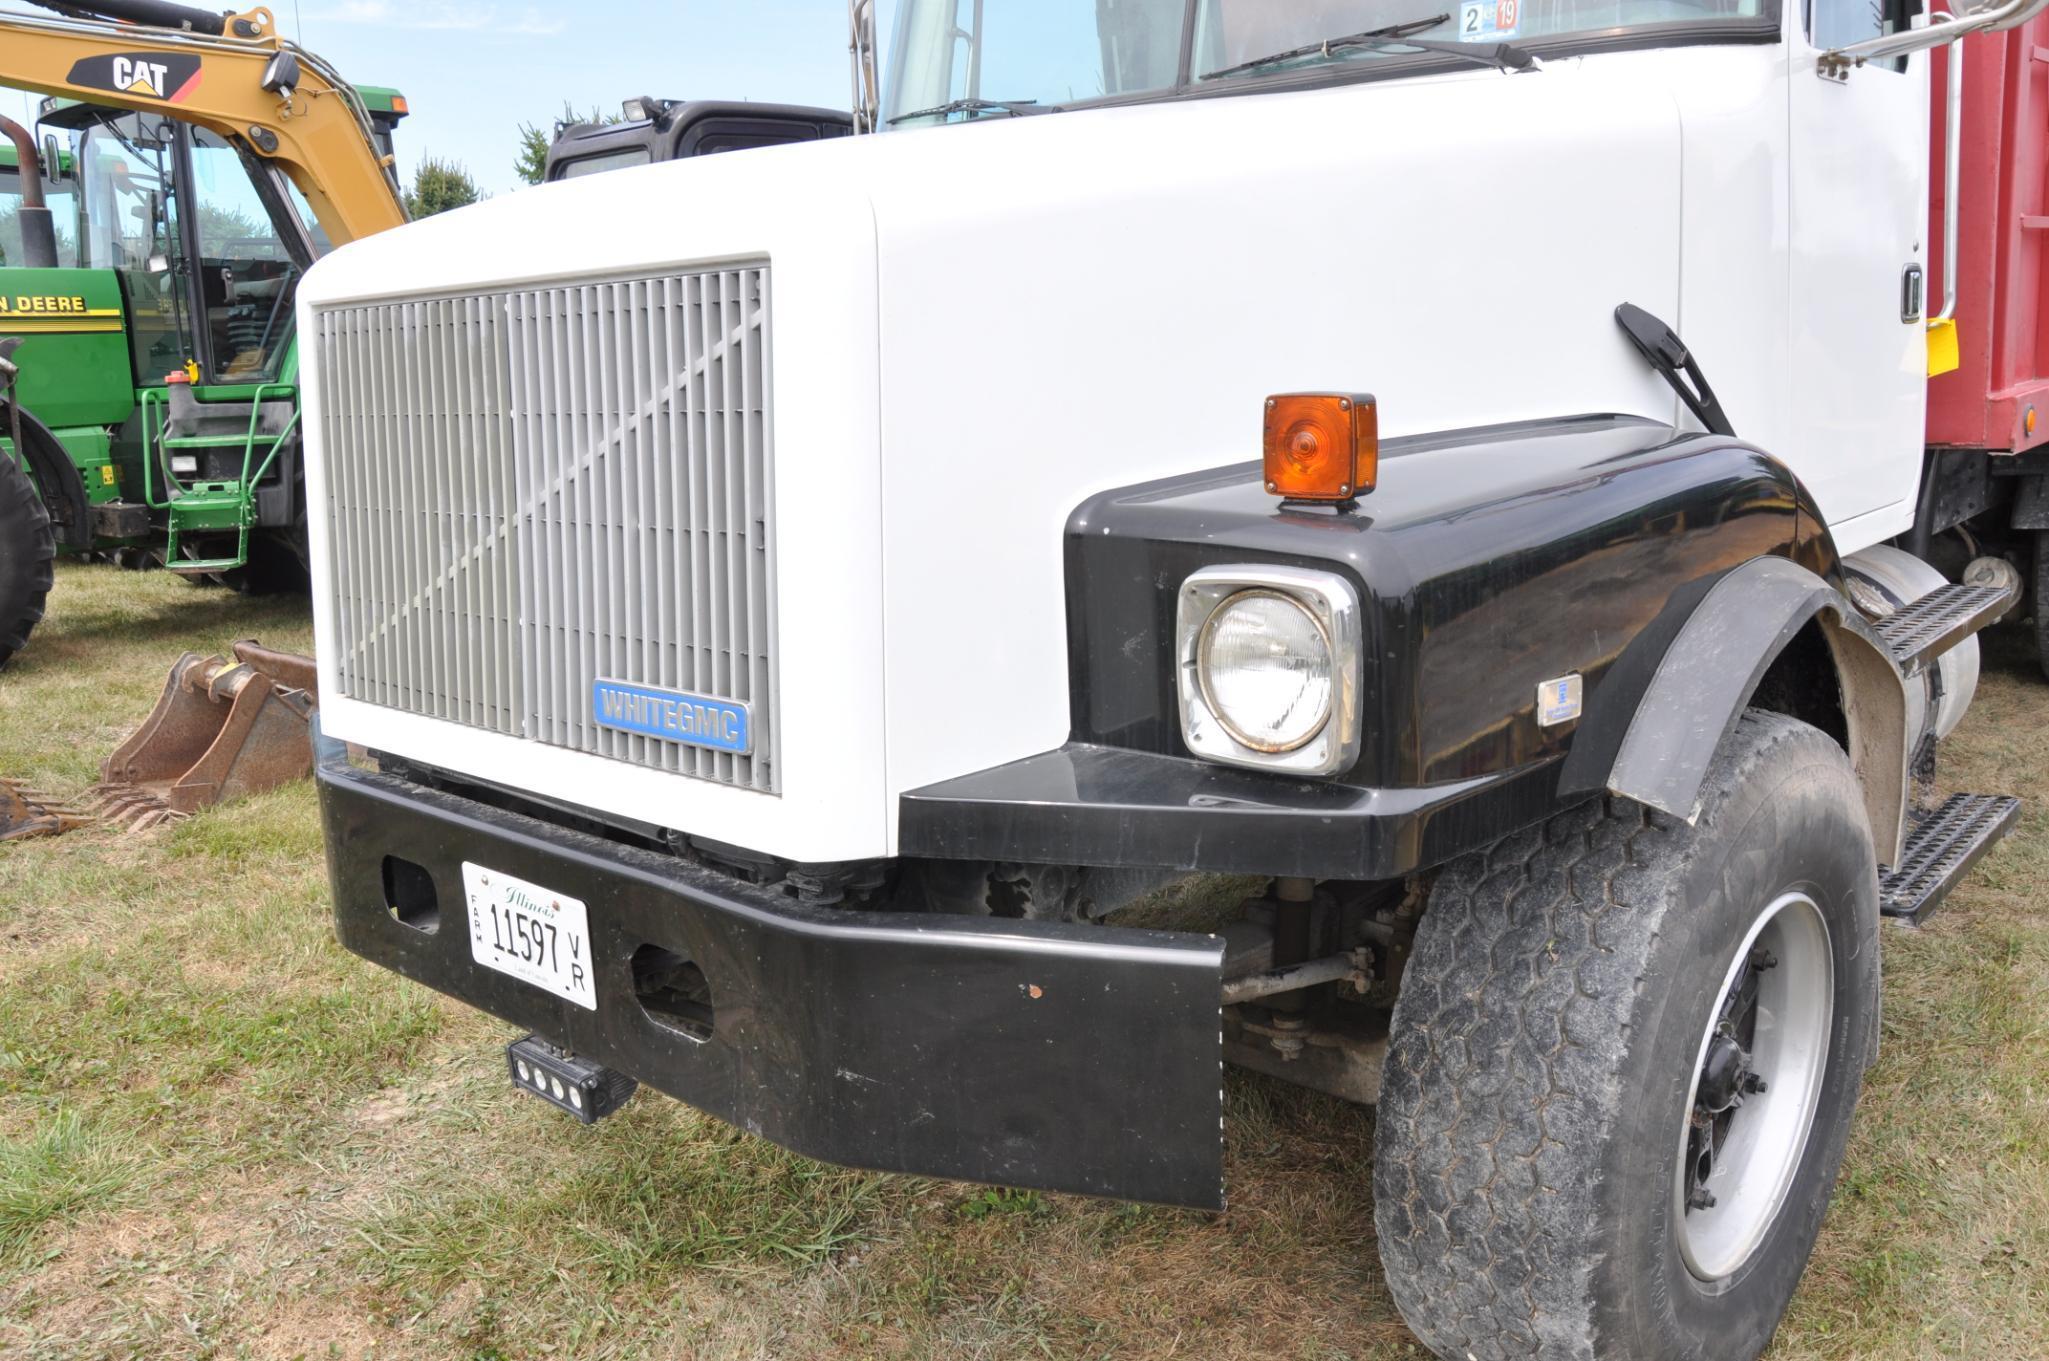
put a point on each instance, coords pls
(231, 74)
(224, 726)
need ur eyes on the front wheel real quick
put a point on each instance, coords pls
(2041, 599)
(1623, 1066)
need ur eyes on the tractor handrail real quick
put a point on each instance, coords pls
(150, 397)
(249, 482)
(255, 419)
(155, 397)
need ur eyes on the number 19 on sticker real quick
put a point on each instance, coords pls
(1488, 20)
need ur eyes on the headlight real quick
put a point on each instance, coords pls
(1264, 665)
(1269, 667)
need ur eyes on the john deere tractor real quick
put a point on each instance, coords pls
(193, 166)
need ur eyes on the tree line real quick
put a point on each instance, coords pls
(439, 184)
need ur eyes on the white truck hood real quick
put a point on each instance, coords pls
(977, 327)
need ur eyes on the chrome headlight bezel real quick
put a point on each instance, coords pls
(1332, 603)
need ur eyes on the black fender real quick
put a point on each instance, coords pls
(1696, 686)
(57, 478)
(1490, 565)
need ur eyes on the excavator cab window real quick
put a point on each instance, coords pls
(316, 237)
(208, 272)
(247, 276)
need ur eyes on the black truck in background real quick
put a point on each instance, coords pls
(668, 130)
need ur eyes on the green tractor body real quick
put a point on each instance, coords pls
(155, 384)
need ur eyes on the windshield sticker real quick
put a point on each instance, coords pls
(1487, 21)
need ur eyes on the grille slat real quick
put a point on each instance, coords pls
(535, 489)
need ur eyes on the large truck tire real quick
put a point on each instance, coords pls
(1574, 1046)
(2040, 599)
(28, 553)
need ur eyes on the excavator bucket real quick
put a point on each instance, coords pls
(25, 813)
(222, 729)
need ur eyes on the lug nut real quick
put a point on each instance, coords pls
(1753, 1084)
(1289, 1040)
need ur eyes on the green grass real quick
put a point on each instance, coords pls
(221, 1136)
(61, 1171)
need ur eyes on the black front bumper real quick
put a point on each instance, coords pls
(1067, 1058)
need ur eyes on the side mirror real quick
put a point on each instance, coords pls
(53, 158)
(281, 76)
(1662, 348)
(867, 109)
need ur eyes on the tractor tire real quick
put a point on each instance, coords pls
(277, 564)
(28, 551)
(1570, 1161)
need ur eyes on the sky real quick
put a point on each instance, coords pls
(474, 70)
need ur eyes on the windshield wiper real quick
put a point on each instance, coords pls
(1013, 107)
(1503, 56)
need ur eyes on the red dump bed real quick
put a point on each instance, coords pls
(2003, 243)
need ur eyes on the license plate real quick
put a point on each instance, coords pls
(535, 934)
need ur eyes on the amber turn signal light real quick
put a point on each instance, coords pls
(1321, 446)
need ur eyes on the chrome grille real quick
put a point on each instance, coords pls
(532, 490)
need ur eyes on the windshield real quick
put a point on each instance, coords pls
(125, 171)
(1053, 52)
(124, 165)
(63, 206)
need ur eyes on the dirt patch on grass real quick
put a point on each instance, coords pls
(238, 1275)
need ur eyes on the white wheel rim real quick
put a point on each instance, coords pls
(1755, 1154)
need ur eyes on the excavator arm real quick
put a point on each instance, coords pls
(231, 74)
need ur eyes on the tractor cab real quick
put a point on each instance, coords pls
(168, 371)
(386, 107)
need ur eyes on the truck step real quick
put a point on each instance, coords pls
(1922, 630)
(1940, 851)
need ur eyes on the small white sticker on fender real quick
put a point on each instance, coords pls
(1558, 701)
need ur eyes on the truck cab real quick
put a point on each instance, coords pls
(1458, 466)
